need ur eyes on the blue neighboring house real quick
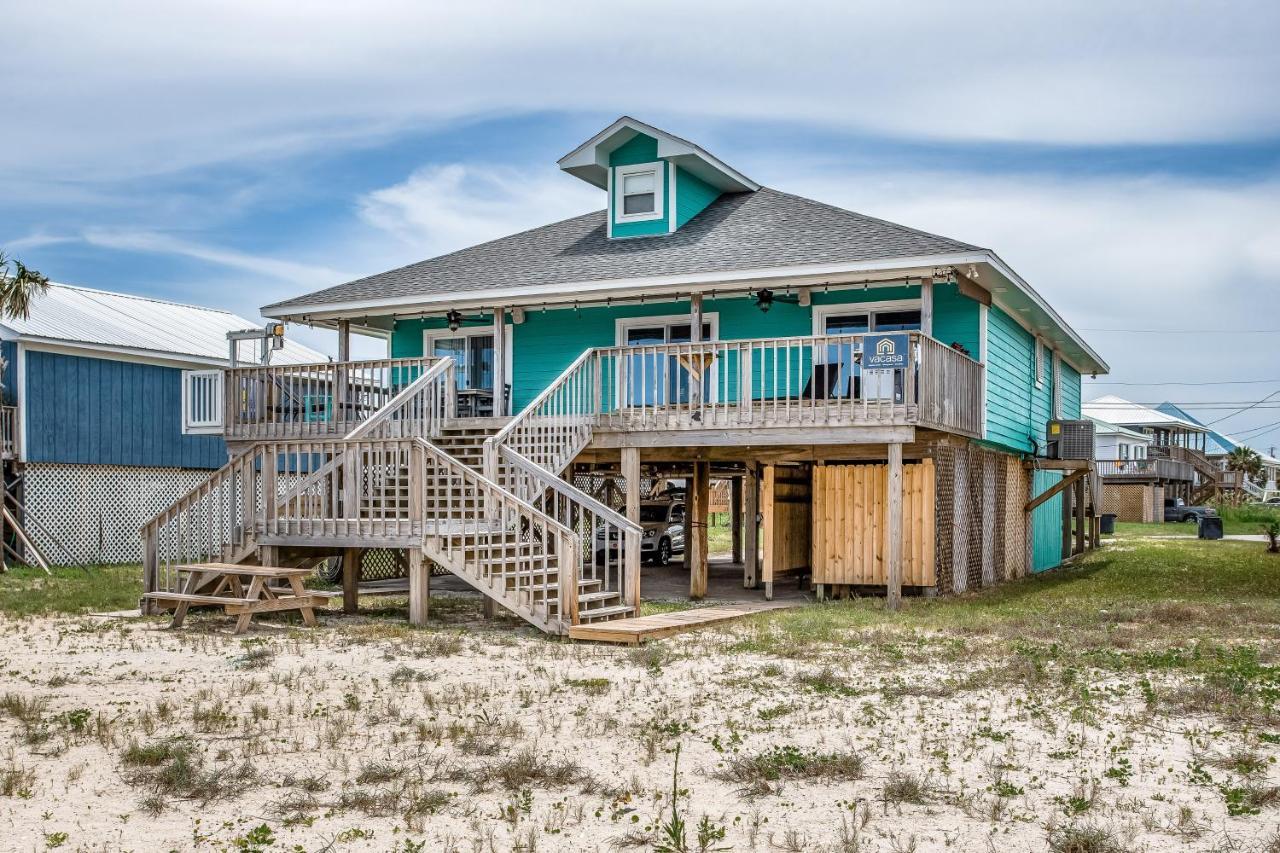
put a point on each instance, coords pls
(1218, 446)
(107, 415)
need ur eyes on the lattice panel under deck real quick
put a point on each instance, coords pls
(96, 511)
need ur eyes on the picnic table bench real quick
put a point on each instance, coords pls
(231, 593)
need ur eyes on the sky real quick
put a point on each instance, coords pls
(1124, 157)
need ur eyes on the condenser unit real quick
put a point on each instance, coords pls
(1069, 439)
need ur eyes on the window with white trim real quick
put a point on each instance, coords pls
(639, 192)
(202, 402)
(1039, 363)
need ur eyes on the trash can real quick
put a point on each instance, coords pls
(1210, 527)
(1108, 524)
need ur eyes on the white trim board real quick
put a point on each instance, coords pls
(622, 324)
(822, 312)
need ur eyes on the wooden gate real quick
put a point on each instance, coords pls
(849, 505)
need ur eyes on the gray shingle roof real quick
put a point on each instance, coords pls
(739, 231)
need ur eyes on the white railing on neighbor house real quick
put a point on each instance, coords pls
(1145, 469)
(9, 431)
(327, 399)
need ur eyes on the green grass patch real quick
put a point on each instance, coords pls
(28, 591)
(1173, 589)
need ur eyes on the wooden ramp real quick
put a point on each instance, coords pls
(637, 629)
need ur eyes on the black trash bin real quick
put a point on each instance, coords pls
(1108, 525)
(1210, 527)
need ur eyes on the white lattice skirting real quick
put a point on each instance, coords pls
(96, 511)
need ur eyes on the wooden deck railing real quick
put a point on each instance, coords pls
(1145, 469)
(323, 400)
(823, 380)
(9, 432)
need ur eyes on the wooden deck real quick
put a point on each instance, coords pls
(637, 629)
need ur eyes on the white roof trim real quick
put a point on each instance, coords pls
(590, 160)
(579, 291)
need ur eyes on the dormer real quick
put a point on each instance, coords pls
(655, 182)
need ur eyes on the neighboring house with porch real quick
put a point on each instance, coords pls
(102, 421)
(876, 395)
(1178, 464)
(1218, 447)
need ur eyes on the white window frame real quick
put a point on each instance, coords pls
(822, 312)
(622, 325)
(1039, 362)
(659, 192)
(429, 337)
(213, 384)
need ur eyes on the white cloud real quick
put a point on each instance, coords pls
(1119, 253)
(440, 209)
(158, 86)
(155, 242)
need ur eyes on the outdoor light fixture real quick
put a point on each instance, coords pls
(764, 299)
(455, 320)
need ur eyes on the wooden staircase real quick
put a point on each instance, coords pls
(411, 477)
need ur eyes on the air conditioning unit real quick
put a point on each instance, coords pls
(1069, 439)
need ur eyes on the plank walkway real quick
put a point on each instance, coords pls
(637, 629)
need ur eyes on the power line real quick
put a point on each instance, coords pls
(1218, 382)
(1190, 331)
(1245, 409)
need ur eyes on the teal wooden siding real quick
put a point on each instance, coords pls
(692, 196)
(95, 411)
(548, 341)
(641, 149)
(1070, 393)
(1046, 523)
(1018, 410)
(955, 318)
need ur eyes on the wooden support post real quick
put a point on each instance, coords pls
(700, 503)
(767, 510)
(751, 513)
(926, 307)
(631, 474)
(351, 558)
(1080, 523)
(735, 518)
(695, 336)
(338, 409)
(893, 529)
(499, 361)
(419, 587)
(1067, 517)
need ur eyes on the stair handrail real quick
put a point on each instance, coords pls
(582, 421)
(497, 498)
(530, 453)
(435, 393)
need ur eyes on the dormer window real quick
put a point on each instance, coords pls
(639, 192)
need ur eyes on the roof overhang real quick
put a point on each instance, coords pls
(1008, 290)
(590, 160)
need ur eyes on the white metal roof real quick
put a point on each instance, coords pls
(1118, 410)
(1102, 427)
(123, 323)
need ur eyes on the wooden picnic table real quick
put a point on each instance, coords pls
(230, 592)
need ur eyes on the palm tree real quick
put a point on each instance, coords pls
(18, 284)
(1247, 461)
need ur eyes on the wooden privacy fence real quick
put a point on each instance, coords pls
(849, 518)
